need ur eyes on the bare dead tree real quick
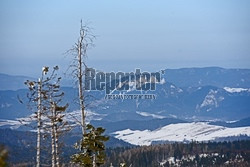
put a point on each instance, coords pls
(39, 112)
(36, 96)
(45, 95)
(79, 67)
(53, 155)
(58, 125)
(91, 146)
(61, 127)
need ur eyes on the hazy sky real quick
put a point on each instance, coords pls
(151, 35)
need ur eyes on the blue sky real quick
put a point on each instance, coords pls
(151, 35)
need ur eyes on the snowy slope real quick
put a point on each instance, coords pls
(198, 131)
(236, 90)
(72, 117)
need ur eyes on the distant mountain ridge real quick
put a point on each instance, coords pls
(11, 82)
(136, 125)
(212, 100)
(192, 104)
(182, 77)
(213, 76)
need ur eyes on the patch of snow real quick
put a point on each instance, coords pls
(172, 86)
(180, 90)
(173, 116)
(231, 121)
(106, 107)
(197, 131)
(132, 86)
(14, 123)
(162, 81)
(145, 114)
(236, 90)
(200, 81)
(211, 100)
(73, 117)
(5, 105)
(171, 160)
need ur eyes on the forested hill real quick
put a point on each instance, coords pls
(21, 146)
(236, 153)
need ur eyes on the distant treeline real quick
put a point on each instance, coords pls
(21, 151)
(235, 153)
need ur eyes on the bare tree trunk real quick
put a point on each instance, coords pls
(39, 123)
(94, 160)
(80, 82)
(53, 160)
(57, 147)
(94, 156)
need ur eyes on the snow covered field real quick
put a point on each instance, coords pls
(198, 131)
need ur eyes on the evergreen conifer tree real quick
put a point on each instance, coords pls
(92, 148)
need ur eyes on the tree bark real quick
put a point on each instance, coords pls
(39, 123)
(57, 147)
(94, 160)
(80, 82)
(53, 160)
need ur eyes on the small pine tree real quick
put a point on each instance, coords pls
(92, 148)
